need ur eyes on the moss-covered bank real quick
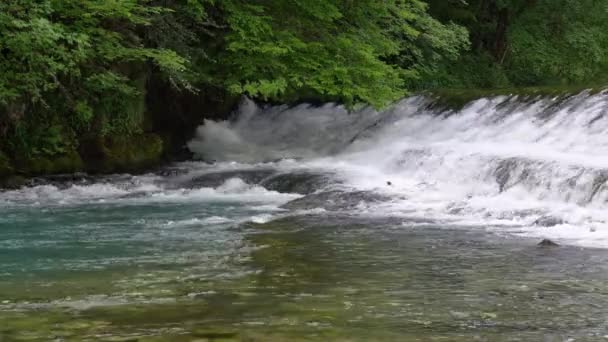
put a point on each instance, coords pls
(102, 155)
(159, 122)
(169, 120)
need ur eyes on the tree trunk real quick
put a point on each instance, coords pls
(501, 38)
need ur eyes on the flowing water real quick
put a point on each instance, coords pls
(315, 224)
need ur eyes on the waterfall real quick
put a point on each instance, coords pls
(503, 160)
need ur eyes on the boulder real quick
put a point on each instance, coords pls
(548, 221)
(6, 169)
(547, 243)
(122, 154)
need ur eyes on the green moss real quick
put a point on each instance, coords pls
(118, 154)
(12, 182)
(6, 169)
(36, 166)
(67, 162)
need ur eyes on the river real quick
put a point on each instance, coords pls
(318, 224)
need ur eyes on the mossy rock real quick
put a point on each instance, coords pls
(6, 168)
(68, 162)
(12, 182)
(122, 154)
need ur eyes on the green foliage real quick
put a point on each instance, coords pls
(61, 59)
(525, 43)
(79, 70)
(73, 69)
(363, 52)
(49, 45)
(6, 168)
(36, 137)
(572, 47)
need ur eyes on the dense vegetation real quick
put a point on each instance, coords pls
(107, 85)
(521, 43)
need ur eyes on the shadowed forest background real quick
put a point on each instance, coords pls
(119, 85)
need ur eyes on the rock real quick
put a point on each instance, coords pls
(172, 172)
(122, 154)
(64, 163)
(61, 181)
(335, 200)
(547, 243)
(304, 183)
(548, 221)
(215, 179)
(6, 169)
(13, 182)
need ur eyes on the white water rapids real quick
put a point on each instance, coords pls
(405, 224)
(534, 168)
(503, 163)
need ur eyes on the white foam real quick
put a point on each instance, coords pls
(263, 218)
(49, 194)
(232, 190)
(212, 220)
(498, 161)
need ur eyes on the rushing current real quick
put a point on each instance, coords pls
(319, 223)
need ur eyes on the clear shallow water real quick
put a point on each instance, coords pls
(314, 278)
(320, 247)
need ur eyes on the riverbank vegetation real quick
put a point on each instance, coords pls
(112, 85)
(525, 43)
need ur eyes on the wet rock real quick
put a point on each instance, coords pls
(172, 172)
(61, 181)
(548, 221)
(6, 169)
(335, 200)
(503, 172)
(214, 335)
(12, 183)
(547, 243)
(215, 179)
(456, 210)
(599, 182)
(513, 171)
(299, 183)
(121, 154)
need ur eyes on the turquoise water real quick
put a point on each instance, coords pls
(171, 265)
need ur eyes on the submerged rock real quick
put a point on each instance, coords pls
(289, 182)
(336, 200)
(300, 183)
(61, 180)
(548, 221)
(547, 243)
(215, 179)
(172, 172)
